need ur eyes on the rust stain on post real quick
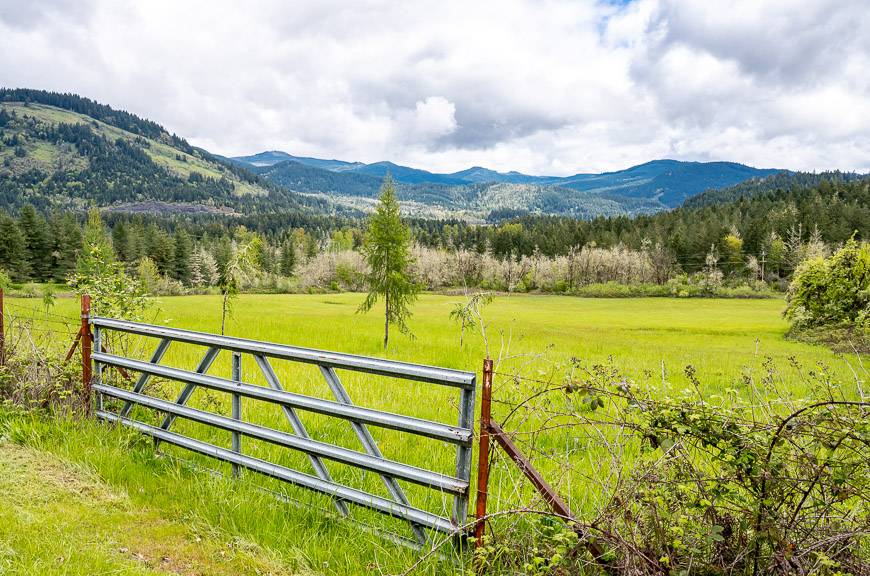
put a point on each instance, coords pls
(2, 332)
(483, 452)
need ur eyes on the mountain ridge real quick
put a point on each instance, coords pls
(66, 151)
(476, 192)
(480, 174)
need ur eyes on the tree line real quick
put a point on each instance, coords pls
(833, 210)
(765, 235)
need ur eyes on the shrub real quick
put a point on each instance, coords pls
(834, 290)
(683, 482)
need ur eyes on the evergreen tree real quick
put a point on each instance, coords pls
(97, 255)
(67, 238)
(181, 256)
(223, 253)
(310, 246)
(288, 257)
(135, 249)
(38, 243)
(13, 251)
(387, 251)
(265, 256)
(121, 242)
(160, 247)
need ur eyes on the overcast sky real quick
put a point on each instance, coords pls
(543, 87)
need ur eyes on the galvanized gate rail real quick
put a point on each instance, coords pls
(390, 471)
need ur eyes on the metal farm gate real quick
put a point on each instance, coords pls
(292, 404)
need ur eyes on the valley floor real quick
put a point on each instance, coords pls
(82, 498)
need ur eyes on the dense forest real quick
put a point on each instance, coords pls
(762, 235)
(834, 209)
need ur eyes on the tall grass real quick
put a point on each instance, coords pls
(725, 341)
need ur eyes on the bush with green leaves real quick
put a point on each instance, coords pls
(684, 482)
(834, 290)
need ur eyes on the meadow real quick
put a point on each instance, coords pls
(727, 342)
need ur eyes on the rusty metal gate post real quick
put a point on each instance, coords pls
(483, 452)
(86, 353)
(2, 332)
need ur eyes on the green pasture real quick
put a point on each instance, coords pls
(731, 344)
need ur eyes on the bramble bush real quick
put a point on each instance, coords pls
(742, 482)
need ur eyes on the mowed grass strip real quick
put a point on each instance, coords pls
(55, 518)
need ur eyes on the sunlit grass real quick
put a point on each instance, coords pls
(650, 340)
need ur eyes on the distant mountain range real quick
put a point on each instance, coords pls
(64, 151)
(478, 192)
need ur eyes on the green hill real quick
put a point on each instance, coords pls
(64, 151)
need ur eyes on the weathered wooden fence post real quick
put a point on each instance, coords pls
(483, 452)
(86, 353)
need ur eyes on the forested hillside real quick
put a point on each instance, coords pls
(64, 151)
(833, 210)
(780, 182)
(478, 193)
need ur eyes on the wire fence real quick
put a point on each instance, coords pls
(39, 367)
(632, 463)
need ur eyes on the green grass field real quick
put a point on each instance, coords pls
(726, 341)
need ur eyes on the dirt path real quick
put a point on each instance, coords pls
(57, 519)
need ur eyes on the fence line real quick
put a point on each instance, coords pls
(94, 356)
(397, 505)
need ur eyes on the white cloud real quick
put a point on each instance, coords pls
(432, 118)
(557, 86)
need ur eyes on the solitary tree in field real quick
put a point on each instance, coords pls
(387, 251)
(242, 264)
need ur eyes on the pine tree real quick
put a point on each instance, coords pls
(38, 243)
(13, 252)
(223, 253)
(121, 242)
(288, 257)
(67, 237)
(135, 249)
(387, 251)
(265, 256)
(181, 257)
(97, 254)
(160, 247)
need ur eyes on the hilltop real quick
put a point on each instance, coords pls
(68, 152)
